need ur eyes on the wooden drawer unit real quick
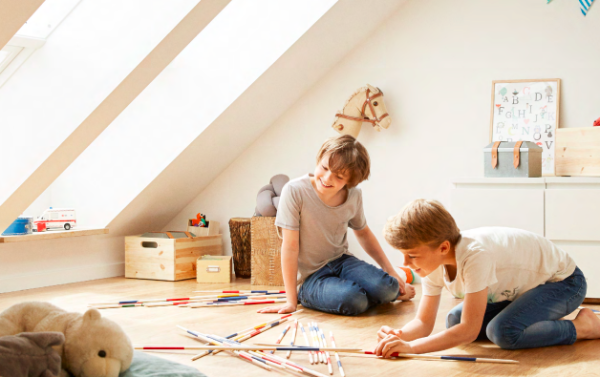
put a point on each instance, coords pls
(167, 259)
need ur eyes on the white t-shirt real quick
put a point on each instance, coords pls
(507, 261)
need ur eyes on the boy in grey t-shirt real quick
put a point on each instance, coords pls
(315, 212)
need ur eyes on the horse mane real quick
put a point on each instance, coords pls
(363, 88)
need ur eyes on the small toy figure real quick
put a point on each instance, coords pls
(597, 123)
(200, 221)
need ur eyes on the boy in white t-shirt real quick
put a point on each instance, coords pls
(516, 285)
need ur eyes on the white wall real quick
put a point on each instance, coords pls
(435, 61)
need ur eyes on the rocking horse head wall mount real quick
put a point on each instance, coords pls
(364, 105)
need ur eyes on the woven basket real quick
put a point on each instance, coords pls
(266, 252)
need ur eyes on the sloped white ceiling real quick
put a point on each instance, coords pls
(239, 45)
(328, 41)
(90, 53)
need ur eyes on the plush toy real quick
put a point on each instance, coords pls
(597, 123)
(94, 346)
(267, 200)
(200, 220)
(30, 354)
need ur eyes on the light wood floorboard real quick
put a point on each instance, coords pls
(156, 326)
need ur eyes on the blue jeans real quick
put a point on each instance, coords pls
(347, 286)
(533, 319)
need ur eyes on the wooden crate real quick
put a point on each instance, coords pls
(167, 259)
(578, 151)
(266, 252)
(213, 269)
(211, 230)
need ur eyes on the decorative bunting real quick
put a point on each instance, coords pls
(584, 5)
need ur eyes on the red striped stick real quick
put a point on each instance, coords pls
(278, 341)
(253, 291)
(294, 331)
(214, 304)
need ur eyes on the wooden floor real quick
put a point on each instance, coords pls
(156, 326)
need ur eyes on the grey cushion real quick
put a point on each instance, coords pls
(145, 365)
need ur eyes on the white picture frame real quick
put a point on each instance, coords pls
(527, 110)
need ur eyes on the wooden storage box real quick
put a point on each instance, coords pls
(167, 259)
(266, 252)
(213, 269)
(212, 228)
(578, 151)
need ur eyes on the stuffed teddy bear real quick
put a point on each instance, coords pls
(94, 346)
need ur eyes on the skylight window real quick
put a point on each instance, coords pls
(7, 54)
(47, 18)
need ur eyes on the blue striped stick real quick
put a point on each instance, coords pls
(310, 357)
(337, 357)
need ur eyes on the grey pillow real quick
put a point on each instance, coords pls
(144, 365)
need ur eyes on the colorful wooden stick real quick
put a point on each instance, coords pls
(438, 357)
(280, 359)
(262, 324)
(214, 304)
(259, 347)
(243, 355)
(329, 366)
(396, 354)
(315, 340)
(230, 299)
(278, 341)
(294, 331)
(322, 354)
(243, 337)
(310, 354)
(257, 291)
(337, 357)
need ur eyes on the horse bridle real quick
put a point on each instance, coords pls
(368, 101)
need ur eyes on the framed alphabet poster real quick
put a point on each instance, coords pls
(527, 110)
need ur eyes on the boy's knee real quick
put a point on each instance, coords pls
(353, 302)
(453, 316)
(388, 290)
(499, 334)
(452, 319)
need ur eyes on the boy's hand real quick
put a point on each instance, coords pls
(287, 308)
(390, 344)
(401, 283)
(386, 330)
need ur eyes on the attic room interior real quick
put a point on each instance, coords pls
(201, 188)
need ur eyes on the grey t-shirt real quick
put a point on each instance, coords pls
(322, 228)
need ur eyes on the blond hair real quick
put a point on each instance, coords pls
(421, 222)
(347, 155)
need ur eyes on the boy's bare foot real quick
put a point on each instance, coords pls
(410, 293)
(587, 325)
